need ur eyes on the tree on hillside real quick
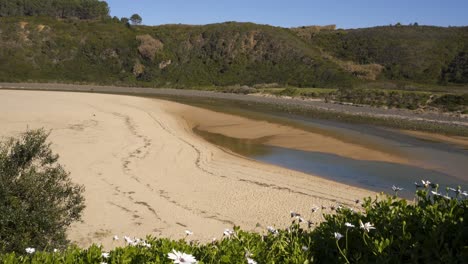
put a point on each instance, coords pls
(82, 9)
(125, 20)
(136, 19)
(38, 202)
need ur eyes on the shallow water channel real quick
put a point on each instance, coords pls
(439, 162)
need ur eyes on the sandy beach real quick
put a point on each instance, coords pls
(147, 173)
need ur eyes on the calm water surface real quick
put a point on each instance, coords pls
(442, 163)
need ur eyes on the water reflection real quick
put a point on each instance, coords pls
(449, 161)
(245, 147)
(373, 175)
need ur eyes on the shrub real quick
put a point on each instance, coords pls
(379, 97)
(432, 229)
(451, 102)
(239, 89)
(290, 91)
(37, 199)
(138, 69)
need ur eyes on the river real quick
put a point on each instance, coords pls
(439, 162)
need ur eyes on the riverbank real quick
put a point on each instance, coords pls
(280, 135)
(433, 122)
(146, 173)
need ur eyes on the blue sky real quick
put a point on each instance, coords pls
(290, 13)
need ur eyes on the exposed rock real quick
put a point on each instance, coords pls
(23, 24)
(164, 64)
(40, 27)
(138, 69)
(149, 46)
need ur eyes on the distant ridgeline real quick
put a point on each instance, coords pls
(82, 9)
(86, 45)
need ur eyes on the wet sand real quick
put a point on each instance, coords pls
(146, 173)
(279, 135)
(454, 140)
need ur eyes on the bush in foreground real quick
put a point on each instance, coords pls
(37, 199)
(433, 229)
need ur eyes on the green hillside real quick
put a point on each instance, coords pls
(422, 54)
(111, 52)
(47, 47)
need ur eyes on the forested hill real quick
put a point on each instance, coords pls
(81, 9)
(111, 52)
(417, 53)
(78, 42)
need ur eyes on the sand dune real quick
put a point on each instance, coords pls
(146, 173)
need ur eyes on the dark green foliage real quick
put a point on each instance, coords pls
(106, 52)
(376, 97)
(433, 229)
(239, 89)
(416, 53)
(238, 54)
(451, 102)
(66, 51)
(125, 20)
(82, 9)
(136, 19)
(40, 49)
(290, 91)
(457, 70)
(37, 199)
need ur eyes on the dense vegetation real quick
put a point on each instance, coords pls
(387, 229)
(110, 52)
(38, 202)
(414, 53)
(81, 9)
(380, 98)
(107, 51)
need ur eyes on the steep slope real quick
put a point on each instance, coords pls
(111, 52)
(45, 49)
(422, 54)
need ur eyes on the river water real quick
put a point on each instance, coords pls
(439, 162)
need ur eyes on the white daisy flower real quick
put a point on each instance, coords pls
(181, 258)
(272, 230)
(227, 232)
(367, 226)
(338, 236)
(251, 261)
(426, 183)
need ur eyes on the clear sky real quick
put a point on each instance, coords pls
(290, 13)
